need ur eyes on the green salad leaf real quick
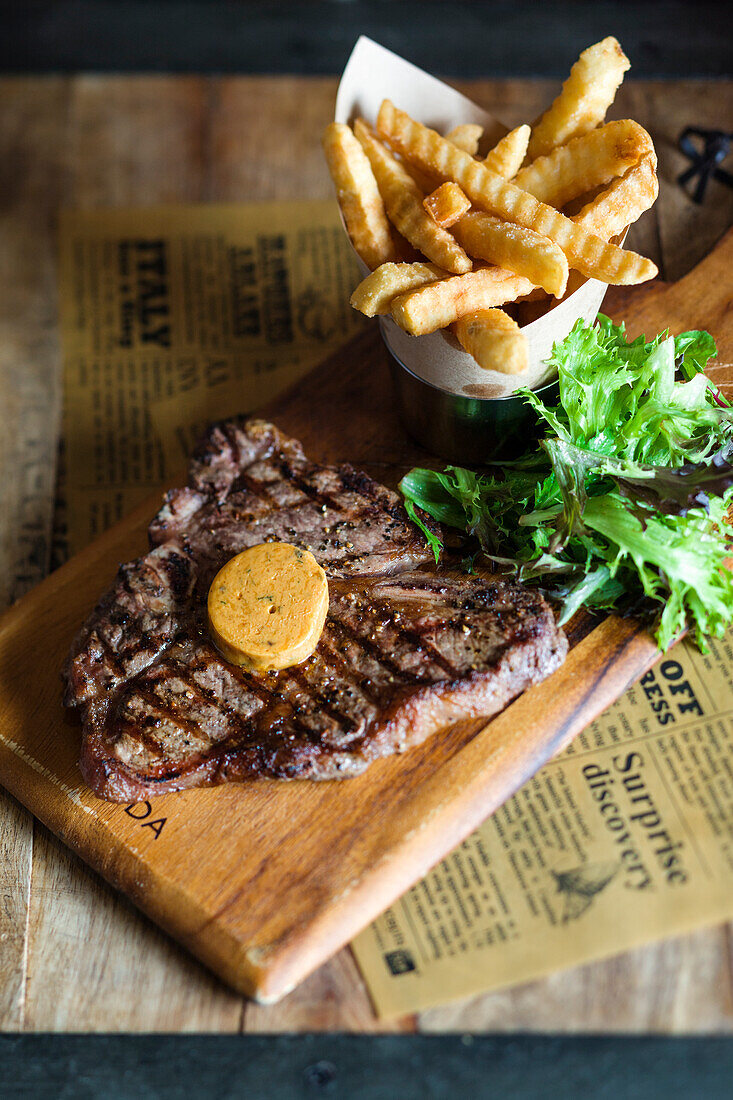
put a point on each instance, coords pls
(623, 504)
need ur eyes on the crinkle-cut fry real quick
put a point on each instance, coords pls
(358, 196)
(585, 162)
(593, 257)
(515, 248)
(494, 340)
(447, 204)
(623, 202)
(469, 135)
(585, 97)
(508, 154)
(466, 137)
(441, 303)
(403, 202)
(375, 293)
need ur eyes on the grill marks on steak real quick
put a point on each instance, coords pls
(250, 484)
(404, 651)
(399, 657)
(132, 624)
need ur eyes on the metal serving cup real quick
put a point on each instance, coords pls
(455, 409)
(462, 429)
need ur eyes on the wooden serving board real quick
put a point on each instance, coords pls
(264, 881)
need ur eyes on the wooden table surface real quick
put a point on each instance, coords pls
(73, 955)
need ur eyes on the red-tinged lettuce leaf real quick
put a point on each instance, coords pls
(675, 490)
(693, 350)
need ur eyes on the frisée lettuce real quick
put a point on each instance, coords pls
(623, 505)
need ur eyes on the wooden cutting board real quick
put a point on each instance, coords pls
(264, 881)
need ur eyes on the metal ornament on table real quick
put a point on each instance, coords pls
(716, 145)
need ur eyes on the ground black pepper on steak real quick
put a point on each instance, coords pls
(407, 649)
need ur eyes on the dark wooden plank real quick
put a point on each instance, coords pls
(465, 37)
(367, 1067)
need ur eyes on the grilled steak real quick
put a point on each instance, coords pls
(405, 651)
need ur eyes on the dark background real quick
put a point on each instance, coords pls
(471, 38)
(354, 1067)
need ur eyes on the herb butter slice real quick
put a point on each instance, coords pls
(267, 606)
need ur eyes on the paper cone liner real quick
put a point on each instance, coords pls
(372, 74)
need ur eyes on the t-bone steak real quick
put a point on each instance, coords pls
(407, 648)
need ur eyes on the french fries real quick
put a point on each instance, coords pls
(519, 250)
(358, 196)
(585, 162)
(466, 137)
(623, 202)
(441, 303)
(494, 340)
(447, 205)
(374, 294)
(403, 203)
(594, 258)
(475, 233)
(585, 97)
(508, 154)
